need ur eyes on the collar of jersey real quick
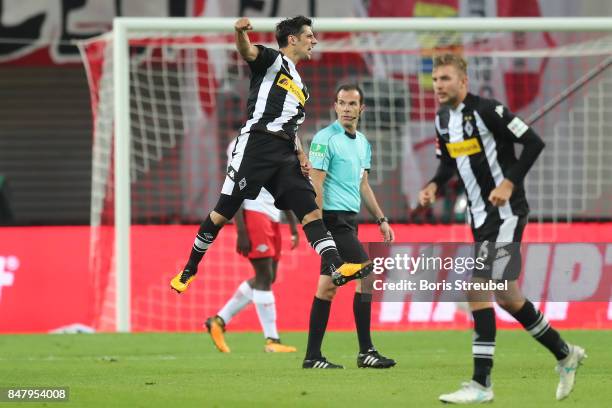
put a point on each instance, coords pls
(291, 64)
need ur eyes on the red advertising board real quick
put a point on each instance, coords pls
(46, 283)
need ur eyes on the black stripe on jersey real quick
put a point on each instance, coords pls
(478, 162)
(256, 81)
(275, 102)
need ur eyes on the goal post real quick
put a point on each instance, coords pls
(407, 50)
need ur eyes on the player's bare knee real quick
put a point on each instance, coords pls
(312, 216)
(326, 290)
(510, 305)
(218, 219)
(264, 273)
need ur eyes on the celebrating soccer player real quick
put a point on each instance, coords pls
(268, 153)
(475, 138)
(259, 239)
(340, 157)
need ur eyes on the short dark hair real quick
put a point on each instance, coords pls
(350, 87)
(290, 26)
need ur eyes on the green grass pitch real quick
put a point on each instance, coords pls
(185, 370)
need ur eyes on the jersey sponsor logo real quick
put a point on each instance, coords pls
(317, 150)
(464, 148)
(499, 109)
(517, 127)
(287, 84)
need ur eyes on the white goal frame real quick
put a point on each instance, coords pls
(123, 27)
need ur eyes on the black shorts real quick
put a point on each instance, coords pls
(263, 160)
(343, 227)
(498, 242)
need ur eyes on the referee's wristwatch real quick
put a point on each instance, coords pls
(381, 220)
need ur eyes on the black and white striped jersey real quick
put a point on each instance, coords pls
(476, 140)
(276, 96)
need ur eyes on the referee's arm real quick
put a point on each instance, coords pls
(369, 199)
(318, 177)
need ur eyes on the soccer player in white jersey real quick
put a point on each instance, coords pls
(259, 239)
(475, 139)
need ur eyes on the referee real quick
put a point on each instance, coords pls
(268, 153)
(340, 157)
(476, 138)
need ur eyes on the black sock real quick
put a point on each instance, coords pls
(362, 310)
(536, 324)
(206, 235)
(483, 345)
(319, 315)
(322, 242)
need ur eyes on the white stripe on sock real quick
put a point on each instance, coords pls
(323, 245)
(486, 350)
(541, 325)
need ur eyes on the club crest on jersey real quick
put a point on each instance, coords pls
(468, 129)
(464, 148)
(287, 84)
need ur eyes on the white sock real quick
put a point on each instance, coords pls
(266, 311)
(241, 298)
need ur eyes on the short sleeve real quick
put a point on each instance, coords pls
(230, 150)
(319, 153)
(367, 164)
(265, 58)
(502, 122)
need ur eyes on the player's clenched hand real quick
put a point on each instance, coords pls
(243, 245)
(428, 194)
(306, 166)
(501, 194)
(387, 232)
(243, 24)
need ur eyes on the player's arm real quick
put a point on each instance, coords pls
(320, 155)
(248, 51)
(317, 177)
(505, 125)
(305, 164)
(371, 204)
(243, 243)
(444, 172)
(292, 220)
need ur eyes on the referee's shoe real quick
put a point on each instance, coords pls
(181, 281)
(350, 271)
(373, 359)
(320, 362)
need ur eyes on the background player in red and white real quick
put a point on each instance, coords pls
(260, 240)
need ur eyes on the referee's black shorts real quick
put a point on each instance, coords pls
(263, 160)
(343, 227)
(498, 242)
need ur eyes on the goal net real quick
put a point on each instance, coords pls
(185, 91)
